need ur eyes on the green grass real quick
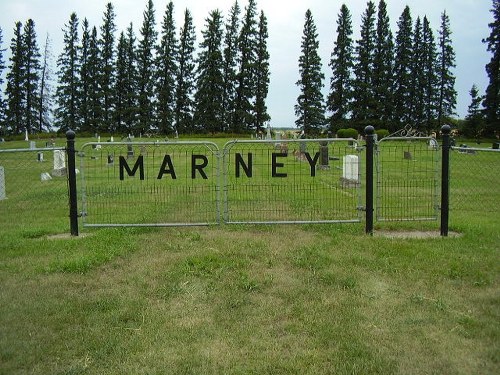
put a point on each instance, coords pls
(248, 299)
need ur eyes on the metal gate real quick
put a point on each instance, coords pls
(194, 183)
(407, 186)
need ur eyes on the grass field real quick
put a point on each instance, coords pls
(250, 299)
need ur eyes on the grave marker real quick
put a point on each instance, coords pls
(59, 163)
(350, 171)
(2, 184)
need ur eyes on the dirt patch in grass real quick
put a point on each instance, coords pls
(67, 236)
(412, 234)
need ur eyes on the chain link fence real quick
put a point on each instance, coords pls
(33, 189)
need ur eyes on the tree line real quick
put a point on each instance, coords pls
(161, 82)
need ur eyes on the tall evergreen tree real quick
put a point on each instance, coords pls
(185, 76)
(243, 116)
(146, 71)
(309, 108)
(261, 76)
(403, 69)
(85, 83)
(492, 98)
(16, 104)
(67, 90)
(446, 80)
(341, 63)
(429, 73)
(93, 71)
(121, 84)
(31, 78)
(210, 77)
(363, 106)
(418, 83)
(382, 67)
(473, 126)
(130, 110)
(230, 65)
(106, 77)
(45, 95)
(167, 72)
(2, 100)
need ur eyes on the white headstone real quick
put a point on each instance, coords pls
(2, 184)
(112, 139)
(268, 133)
(45, 176)
(350, 168)
(32, 145)
(26, 135)
(59, 159)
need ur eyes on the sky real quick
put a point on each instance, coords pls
(468, 22)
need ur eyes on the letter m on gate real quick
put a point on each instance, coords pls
(139, 164)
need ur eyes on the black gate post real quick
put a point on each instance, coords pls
(445, 179)
(370, 141)
(73, 210)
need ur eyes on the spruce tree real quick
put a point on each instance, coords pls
(94, 98)
(16, 105)
(45, 94)
(106, 77)
(491, 101)
(473, 126)
(230, 65)
(341, 63)
(243, 116)
(130, 110)
(363, 106)
(146, 71)
(261, 115)
(85, 84)
(417, 93)
(309, 108)
(382, 67)
(210, 77)
(402, 70)
(429, 74)
(447, 99)
(185, 76)
(2, 100)
(167, 72)
(67, 90)
(31, 78)
(121, 85)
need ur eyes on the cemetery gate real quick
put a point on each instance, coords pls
(196, 183)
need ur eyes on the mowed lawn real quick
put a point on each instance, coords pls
(249, 299)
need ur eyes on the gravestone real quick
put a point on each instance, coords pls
(110, 160)
(2, 184)
(59, 164)
(130, 152)
(350, 171)
(45, 176)
(323, 156)
(32, 145)
(268, 132)
(40, 157)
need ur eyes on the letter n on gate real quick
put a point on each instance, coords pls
(139, 164)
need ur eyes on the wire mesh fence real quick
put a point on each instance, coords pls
(407, 179)
(33, 189)
(158, 183)
(290, 181)
(474, 180)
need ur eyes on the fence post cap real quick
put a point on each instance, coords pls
(446, 129)
(70, 134)
(369, 130)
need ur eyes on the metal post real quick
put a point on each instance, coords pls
(73, 210)
(445, 179)
(370, 140)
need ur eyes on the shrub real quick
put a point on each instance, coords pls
(347, 133)
(382, 133)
